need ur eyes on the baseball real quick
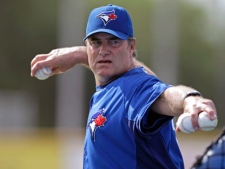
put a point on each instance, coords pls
(205, 123)
(184, 123)
(43, 73)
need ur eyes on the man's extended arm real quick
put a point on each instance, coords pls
(60, 60)
(174, 102)
(171, 102)
(63, 59)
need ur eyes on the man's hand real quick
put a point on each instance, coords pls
(173, 102)
(194, 105)
(60, 60)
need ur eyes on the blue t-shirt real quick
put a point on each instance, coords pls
(122, 132)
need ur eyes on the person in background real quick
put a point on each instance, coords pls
(214, 155)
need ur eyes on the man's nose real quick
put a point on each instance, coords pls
(104, 49)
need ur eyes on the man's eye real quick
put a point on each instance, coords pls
(95, 43)
(115, 42)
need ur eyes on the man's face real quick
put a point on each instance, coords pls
(109, 56)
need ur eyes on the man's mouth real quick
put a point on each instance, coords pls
(104, 61)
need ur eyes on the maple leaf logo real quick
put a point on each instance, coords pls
(107, 16)
(97, 120)
(100, 120)
(112, 16)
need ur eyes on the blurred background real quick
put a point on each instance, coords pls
(42, 123)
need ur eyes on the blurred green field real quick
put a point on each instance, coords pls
(47, 149)
(29, 150)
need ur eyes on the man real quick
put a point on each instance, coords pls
(130, 119)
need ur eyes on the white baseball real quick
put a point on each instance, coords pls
(184, 123)
(205, 123)
(43, 73)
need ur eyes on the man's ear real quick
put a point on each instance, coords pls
(133, 45)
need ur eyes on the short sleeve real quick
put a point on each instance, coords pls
(146, 120)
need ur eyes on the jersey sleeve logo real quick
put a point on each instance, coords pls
(107, 16)
(97, 120)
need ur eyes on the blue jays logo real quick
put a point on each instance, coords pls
(107, 16)
(97, 120)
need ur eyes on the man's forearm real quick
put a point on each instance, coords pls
(172, 101)
(175, 97)
(80, 55)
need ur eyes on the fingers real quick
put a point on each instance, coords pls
(194, 120)
(38, 62)
(195, 105)
(43, 60)
(38, 58)
(210, 109)
(177, 129)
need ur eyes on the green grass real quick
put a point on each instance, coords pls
(29, 151)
